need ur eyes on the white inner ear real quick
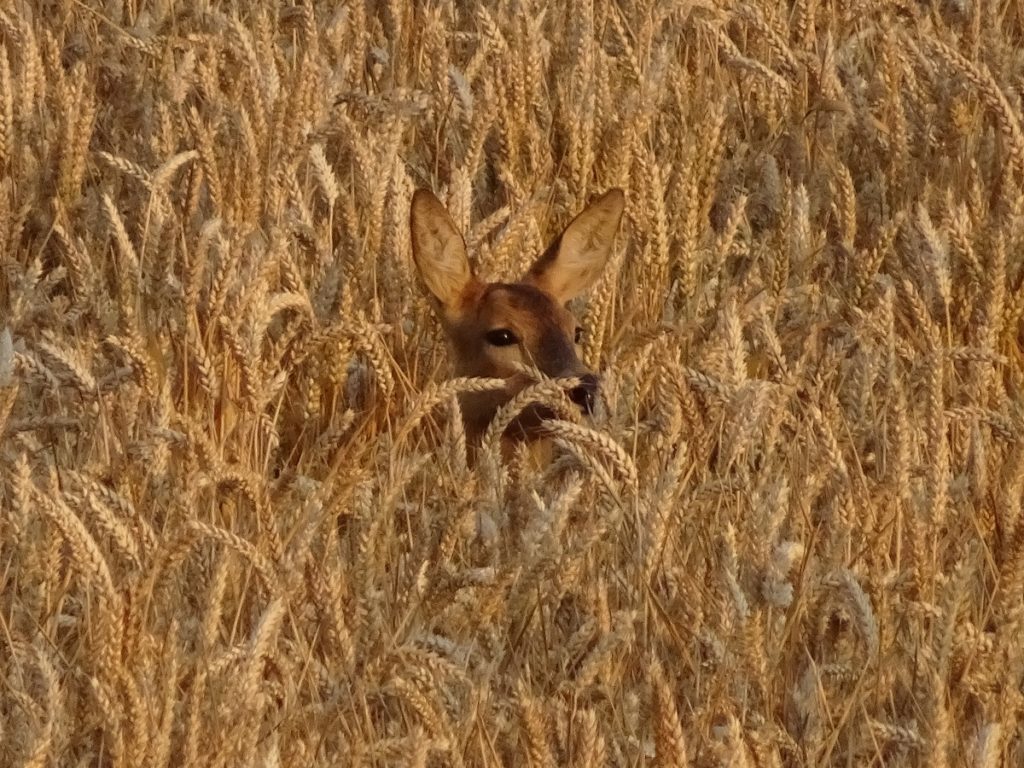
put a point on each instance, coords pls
(581, 259)
(584, 249)
(448, 272)
(439, 251)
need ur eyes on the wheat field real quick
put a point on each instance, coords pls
(238, 526)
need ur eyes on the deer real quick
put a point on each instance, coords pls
(493, 326)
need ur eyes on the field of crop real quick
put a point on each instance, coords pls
(237, 522)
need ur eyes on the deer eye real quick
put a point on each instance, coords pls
(501, 337)
(579, 335)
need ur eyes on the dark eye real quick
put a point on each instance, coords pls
(579, 334)
(501, 337)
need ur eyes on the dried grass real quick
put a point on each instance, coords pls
(238, 521)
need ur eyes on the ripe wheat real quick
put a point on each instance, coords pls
(237, 520)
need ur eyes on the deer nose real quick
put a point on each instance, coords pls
(585, 393)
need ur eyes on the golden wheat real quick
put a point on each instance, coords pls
(241, 520)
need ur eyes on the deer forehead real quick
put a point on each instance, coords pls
(528, 310)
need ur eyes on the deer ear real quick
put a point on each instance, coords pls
(574, 262)
(439, 252)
